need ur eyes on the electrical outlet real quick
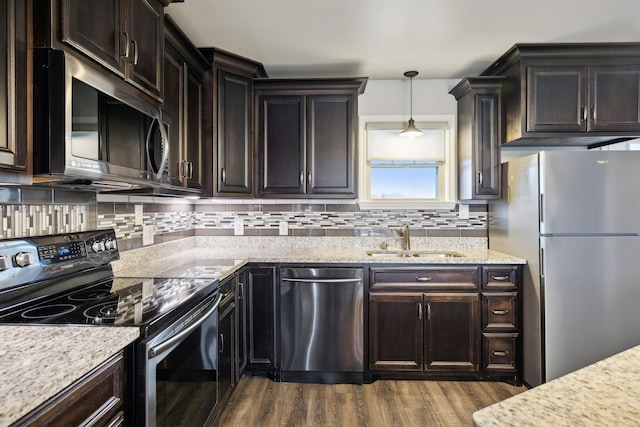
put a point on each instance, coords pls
(147, 235)
(463, 211)
(238, 227)
(137, 218)
(283, 228)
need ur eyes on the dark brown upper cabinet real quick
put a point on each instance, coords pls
(306, 137)
(184, 73)
(570, 94)
(15, 78)
(479, 133)
(229, 109)
(125, 36)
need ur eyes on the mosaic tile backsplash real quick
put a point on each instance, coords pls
(32, 211)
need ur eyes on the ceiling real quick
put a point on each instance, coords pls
(381, 39)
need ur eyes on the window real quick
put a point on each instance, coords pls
(406, 171)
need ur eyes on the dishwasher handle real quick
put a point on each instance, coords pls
(319, 280)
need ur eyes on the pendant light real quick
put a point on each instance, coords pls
(411, 130)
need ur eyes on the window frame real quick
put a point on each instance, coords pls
(447, 176)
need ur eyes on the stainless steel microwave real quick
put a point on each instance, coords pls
(90, 131)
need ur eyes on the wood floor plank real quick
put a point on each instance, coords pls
(443, 407)
(418, 405)
(460, 401)
(261, 402)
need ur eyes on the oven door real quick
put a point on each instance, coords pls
(181, 384)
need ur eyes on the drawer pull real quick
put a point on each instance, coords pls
(500, 312)
(500, 278)
(500, 353)
(423, 279)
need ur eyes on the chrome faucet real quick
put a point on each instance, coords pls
(406, 239)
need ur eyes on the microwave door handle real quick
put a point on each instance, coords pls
(165, 147)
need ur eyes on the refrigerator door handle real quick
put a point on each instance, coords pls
(542, 262)
(541, 207)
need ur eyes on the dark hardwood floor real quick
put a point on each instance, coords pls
(261, 402)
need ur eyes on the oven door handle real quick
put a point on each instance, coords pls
(154, 351)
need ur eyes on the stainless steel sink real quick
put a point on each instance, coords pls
(416, 253)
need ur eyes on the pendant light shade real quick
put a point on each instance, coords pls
(411, 130)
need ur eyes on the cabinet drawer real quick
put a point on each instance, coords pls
(499, 352)
(499, 311)
(500, 277)
(93, 401)
(453, 278)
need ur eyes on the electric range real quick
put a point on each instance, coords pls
(68, 279)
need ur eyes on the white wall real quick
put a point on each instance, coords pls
(391, 97)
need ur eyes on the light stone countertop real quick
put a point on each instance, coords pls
(604, 394)
(38, 362)
(232, 254)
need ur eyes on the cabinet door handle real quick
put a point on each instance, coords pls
(240, 290)
(500, 312)
(126, 44)
(500, 353)
(301, 178)
(221, 350)
(419, 311)
(428, 311)
(190, 170)
(583, 113)
(499, 278)
(135, 52)
(593, 113)
(423, 279)
(224, 176)
(309, 178)
(479, 177)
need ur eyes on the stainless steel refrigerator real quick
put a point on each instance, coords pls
(575, 217)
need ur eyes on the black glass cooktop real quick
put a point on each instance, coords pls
(116, 301)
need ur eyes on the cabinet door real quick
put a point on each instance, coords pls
(173, 91)
(192, 169)
(13, 86)
(97, 29)
(331, 145)
(261, 318)
(145, 19)
(614, 98)
(226, 350)
(281, 144)
(556, 99)
(452, 332)
(487, 140)
(234, 133)
(241, 324)
(396, 331)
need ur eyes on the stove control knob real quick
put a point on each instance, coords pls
(98, 246)
(5, 263)
(24, 259)
(110, 245)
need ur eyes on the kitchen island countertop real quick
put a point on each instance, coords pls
(38, 362)
(606, 393)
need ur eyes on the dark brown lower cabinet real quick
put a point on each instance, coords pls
(445, 322)
(261, 340)
(396, 331)
(95, 400)
(452, 332)
(424, 332)
(226, 352)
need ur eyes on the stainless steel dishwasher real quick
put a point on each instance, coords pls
(321, 325)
